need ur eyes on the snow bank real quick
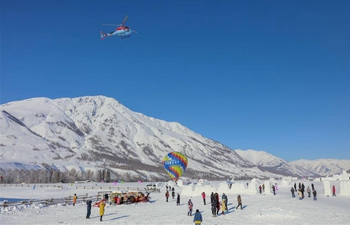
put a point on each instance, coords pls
(286, 182)
(223, 187)
(268, 186)
(327, 187)
(344, 187)
(196, 190)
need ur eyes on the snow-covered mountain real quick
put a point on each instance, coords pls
(94, 132)
(267, 162)
(323, 167)
(99, 132)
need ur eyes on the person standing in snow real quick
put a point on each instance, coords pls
(308, 190)
(173, 193)
(203, 196)
(74, 199)
(302, 190)
(263, 186)
(197, 219)
(213, 205)
(239, 200)
(190, 206)
(178, 199)
(223, 206)
(167, 195)
(88, 204)
(295, 186)
(292, 190)
(333, 191)
(217, 203)
(312, 186)
(102, 208)
(300, 195)
(260, 189)
(212, 198)
(225, 197)
(315, 194)
(273, 190)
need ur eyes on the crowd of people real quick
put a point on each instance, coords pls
(301, 191)
(215, 203)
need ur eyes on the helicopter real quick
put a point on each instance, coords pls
(122, 31)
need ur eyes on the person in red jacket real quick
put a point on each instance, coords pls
(203, 196)
(167, 195)
(333, 191)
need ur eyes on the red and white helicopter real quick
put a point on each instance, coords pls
(122, 31)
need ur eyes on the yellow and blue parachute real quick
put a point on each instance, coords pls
(175, 164)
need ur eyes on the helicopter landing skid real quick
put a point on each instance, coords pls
(125, 37)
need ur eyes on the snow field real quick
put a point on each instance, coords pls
(258, 209)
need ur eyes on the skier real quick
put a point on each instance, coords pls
(226, 200)
(190, 206)
(102, 208)
(197, 219)
(178, 199)
(308, 190)
(167, 195)
(333, 191)
(88, 203)
(239, 200)
(74, 199)
(292, 190)
(315, 194)
(203, 196)
(223, 206)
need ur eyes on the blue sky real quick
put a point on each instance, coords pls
(263, 75)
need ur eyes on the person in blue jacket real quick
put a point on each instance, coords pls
(197, 219)
(225, 197)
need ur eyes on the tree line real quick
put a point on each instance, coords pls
(50, 175)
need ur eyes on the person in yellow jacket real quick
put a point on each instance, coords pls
(223, 206)
(74, 199)
(102, 208)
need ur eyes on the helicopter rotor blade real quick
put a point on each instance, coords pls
(111, 25)
(134, 31)
(126, 17)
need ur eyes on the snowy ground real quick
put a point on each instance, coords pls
(258, 209)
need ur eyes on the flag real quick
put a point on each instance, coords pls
(34, 187)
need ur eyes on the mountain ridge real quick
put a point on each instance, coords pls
(95, 131)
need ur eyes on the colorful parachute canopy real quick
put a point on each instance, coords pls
(175, 164)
